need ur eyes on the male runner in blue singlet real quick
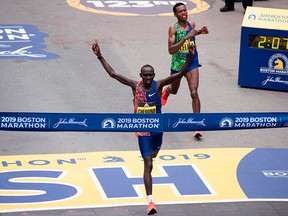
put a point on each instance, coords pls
(181, 34)
(147, 99)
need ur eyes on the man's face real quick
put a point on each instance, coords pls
(147, 74)
(181, 13)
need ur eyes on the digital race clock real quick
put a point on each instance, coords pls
(263, 61)
(268, 42)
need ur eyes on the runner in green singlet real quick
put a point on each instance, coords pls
(181, 34)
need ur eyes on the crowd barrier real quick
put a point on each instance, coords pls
(126, 122)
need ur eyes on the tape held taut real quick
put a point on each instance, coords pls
(126, 122)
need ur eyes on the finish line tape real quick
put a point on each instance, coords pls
(123, 122)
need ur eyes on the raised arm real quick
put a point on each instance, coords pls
(124, 80)
(163, 82)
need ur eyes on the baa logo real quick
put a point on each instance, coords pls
(252, 17)
(278, 61)
(108, 159)
(108, 123)
(226, 123)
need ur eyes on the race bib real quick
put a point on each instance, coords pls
(147, 108)
(184, 48)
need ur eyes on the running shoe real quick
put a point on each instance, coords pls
(151, 209)
(164, 96)
(197, 134)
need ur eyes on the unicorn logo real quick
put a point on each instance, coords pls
(278, 61)
(278, 64)
(109, 159)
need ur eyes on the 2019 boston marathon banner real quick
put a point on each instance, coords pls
(113, 178)
(124, 122)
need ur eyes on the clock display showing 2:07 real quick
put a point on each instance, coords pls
(268, 42)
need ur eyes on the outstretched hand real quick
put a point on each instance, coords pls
(96, 48)
(204, 30)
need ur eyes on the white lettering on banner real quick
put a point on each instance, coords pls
(145, 120)
(23, 122)
(255, 122)
(21, 52)
(138, 126)
(273, 71)
(188, 121)
(70, 121)
(138, 120)
(23, 125)
(255, 125)
(263, 119)
(30, 119)
(8, 119)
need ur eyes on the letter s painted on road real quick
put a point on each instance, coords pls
(22, 190)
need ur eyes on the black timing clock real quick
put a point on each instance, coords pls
(263, 59)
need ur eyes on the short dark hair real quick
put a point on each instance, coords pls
(177, 5)
(147, 65)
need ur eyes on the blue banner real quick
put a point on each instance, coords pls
(123, 122)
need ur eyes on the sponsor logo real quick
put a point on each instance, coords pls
(136, 8)
(252, 17)
(23, 42)
(189, 121)
(150, 95)
(108, 123)
(277, 65)
(109, 159)
(271, 79)
(249, 122)
(70, 121)
(226, 123)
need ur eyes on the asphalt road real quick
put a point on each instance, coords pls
(75, 82)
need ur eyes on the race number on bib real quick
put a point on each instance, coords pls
(148, 108)
(184, 47)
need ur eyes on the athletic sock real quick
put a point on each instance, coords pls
(149, 198)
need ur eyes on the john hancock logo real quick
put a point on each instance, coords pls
(23, 42)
